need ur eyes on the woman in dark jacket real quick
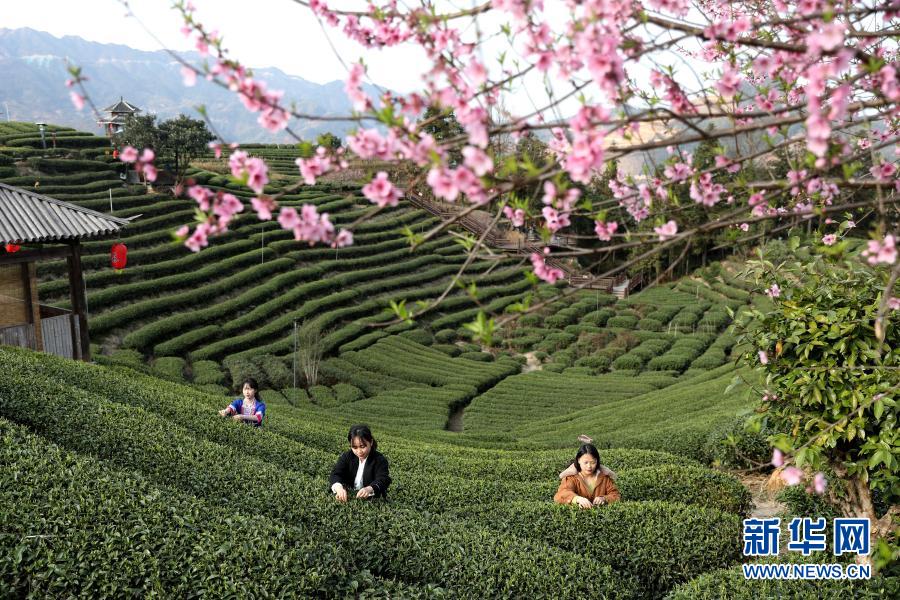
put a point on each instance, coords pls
(362, 468)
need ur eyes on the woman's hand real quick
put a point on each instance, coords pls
(599, 501)
(223, 412)
(366, 492)
(583, 502)
(341, 494)
(238, 417)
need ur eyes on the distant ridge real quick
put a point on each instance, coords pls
(35, 63)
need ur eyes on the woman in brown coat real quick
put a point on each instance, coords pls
(589, 487)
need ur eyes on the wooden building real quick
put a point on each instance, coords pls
(117, 113)
(46, 229)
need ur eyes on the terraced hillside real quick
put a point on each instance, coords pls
(129, 459)
(151, 468)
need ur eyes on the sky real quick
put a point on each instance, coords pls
(259, 33)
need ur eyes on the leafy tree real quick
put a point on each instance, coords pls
(176, 141)
(329, 140)
(829, 362)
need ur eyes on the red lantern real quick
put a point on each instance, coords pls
(118, 256)
(12, 248)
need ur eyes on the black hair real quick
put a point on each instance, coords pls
(587, 449)
(252, 383)
(362, 432)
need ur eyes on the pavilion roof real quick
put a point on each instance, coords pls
(27, 216)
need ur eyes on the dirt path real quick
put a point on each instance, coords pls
(764, 503)
(532, 363)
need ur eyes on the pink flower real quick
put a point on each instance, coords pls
(881, 252)
(263, 207)
(382, 192)
(201, 196)
(820, 483)
(883, 172)
(544, 272)
(188, 76)
(128, 154)
(825, 38)
(77, 100)
(288, 217)
(666, 231)
(149, 171)
(829, 239)
(774, 291)
(744, 227)
(442, 184)
(792, 475)
(764, 357)
(182, 232)
(729, 83)
(237, 162)
(605, 230)
(344, 238)
(477, 160)
(257, 174)
(199, 239)
(777, 458)
(147, 155)
(894, 303)
(517, 216)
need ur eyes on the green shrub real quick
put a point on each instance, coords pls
(322, 395)
(169, 367)
(478, 356)
(598, 318)
(448, 349)
(625, 322)
(344, 393)
(660, 544)
(419, 336)
(649, 324)
(669, 362)
(628, 361)
(295, 396)
(277, 370)
(446, 336)
(207, 371)
(241, 369)
(690, 485)
(596, 363)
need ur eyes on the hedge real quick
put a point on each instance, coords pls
(463, 558)
(123, 536)
(626, 322)
(659, 544)
(690, 485)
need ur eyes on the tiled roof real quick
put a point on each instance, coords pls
(26, 216)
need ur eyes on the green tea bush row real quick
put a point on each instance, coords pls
(164, 451)
(114, 521)
(659, 544)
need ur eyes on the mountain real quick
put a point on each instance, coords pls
(33, 69)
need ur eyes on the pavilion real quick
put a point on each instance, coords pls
(47, 229)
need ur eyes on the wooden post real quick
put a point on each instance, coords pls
(34, 306)
(79, 303)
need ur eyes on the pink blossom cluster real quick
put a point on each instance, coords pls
(310, 226)
(605, 230)
(515, 215)
(882, 252)
(254, 169)
(667, 230)
(450, 183)
(381, 191)
(706, 192)
(143, 163)
(543, 270)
